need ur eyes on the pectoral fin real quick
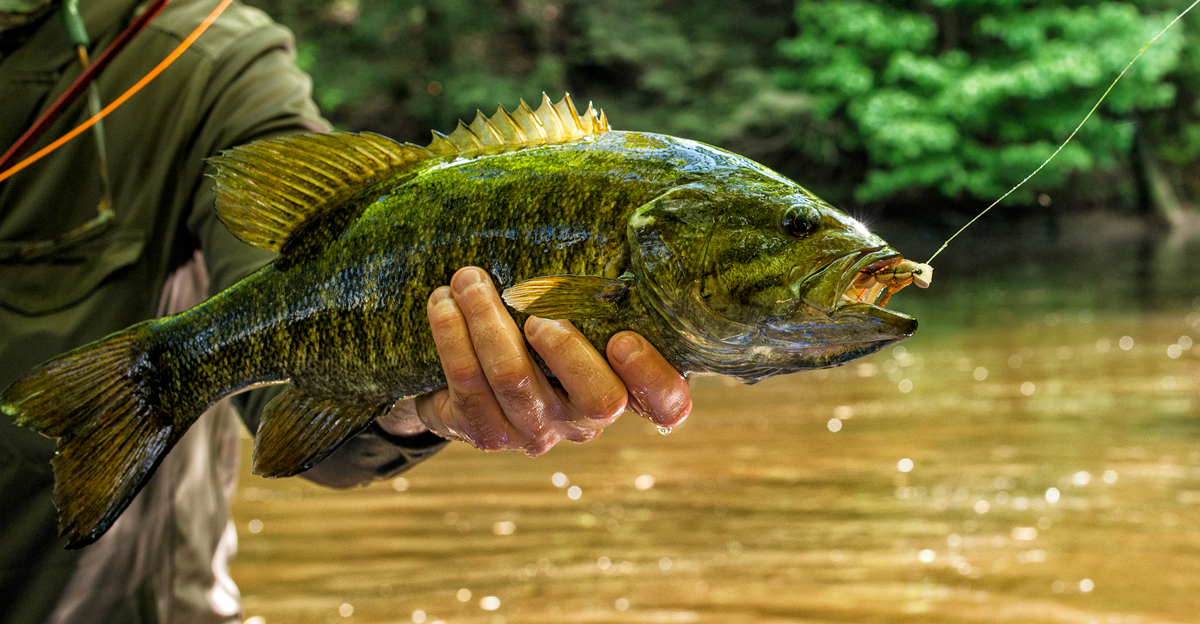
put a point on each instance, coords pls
(569, 296)
(298, 431)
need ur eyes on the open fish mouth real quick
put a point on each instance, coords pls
(844, 281)
(853, 325)
(863, 287)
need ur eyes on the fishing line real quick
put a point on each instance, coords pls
(84, 80)
(187, 43)
(1073, 132)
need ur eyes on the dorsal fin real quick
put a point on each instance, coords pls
(267, 189)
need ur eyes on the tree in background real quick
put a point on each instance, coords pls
(916, 105)
(403, 67)
(963, 98)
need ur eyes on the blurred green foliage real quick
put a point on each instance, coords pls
(899, 102)
(969, 96)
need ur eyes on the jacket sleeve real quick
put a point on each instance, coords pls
(256, 91)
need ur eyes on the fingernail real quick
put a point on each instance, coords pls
(625, 348)
(533, 324)
(467, 279)
(439, 295)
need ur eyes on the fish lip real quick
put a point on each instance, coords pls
(903, 325)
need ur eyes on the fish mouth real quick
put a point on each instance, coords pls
(835, 314)
(863, 288)
(843, 282)
(826, 325)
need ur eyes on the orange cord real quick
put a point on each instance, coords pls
(187, 43)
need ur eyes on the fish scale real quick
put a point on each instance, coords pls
(724, 265)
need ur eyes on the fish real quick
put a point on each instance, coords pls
(724, 265)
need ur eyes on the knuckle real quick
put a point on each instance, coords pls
(512, 377)
(541, 443)
(477, 422)
(552, 335)
(444, 319)
(609, 404)
(462, 372)
(471, 409)
(650, 371)
(490, 442)
(477, 299)
(584, 435)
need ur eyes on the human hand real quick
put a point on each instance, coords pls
(497, 397)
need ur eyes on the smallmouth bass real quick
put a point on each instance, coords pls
(724, 265)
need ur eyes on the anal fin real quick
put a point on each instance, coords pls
(569, 296)
(298, 431)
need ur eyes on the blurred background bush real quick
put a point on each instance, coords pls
(921, 109)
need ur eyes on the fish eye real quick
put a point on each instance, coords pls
(799, 224)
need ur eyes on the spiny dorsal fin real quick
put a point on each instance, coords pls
(267, 189)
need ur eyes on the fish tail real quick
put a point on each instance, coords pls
(100, 403)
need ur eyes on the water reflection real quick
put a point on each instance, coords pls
(1029, 456)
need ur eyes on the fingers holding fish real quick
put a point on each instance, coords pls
(467, 409)
(526, 398)
(402, 420)
(656, 389)
(496, 397)
(595, 394)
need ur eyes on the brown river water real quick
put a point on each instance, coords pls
(1031, 455)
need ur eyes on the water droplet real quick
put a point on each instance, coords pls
(665, 430)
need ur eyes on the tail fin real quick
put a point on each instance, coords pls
(97, 401)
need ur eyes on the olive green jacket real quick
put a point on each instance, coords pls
(238, 82)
